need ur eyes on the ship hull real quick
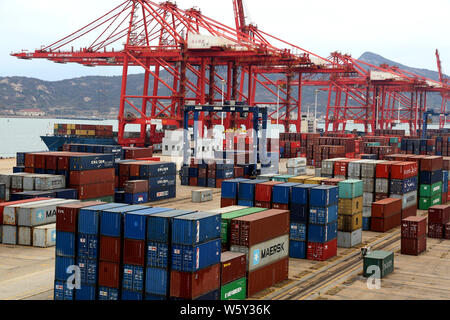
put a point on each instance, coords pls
(55, 143)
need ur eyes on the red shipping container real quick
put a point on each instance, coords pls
(431, 163)
(134, 252)
(321, 251)
(225, 202)
(444, 198)
(110, 249)
(386, 208)
(10, 203)
(51, 162)
(219, 183)
(92, 191)
(29, 160)
(267, 276)
(381, 196)
(39, 161)
(193, 182)
(91, 176)
(409, 212)
(447, 231)
(439, 214)
(332, 181)
(414, 227)
(135, 169)
(263, 191)
(188, 285)
(233, 267)
(436, 230)
(67, 215)
(280, 206)
(385, 224)
(263, 204)
(29, 170)
(404, 170)
(341, 167)
(383, 170)
(259, 227)
(414, 246)
(109, 274)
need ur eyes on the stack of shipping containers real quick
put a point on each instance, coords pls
(230, 192)
(281, 195)
(368, 172)
(430, 179)
(386, 214)
(350, 213)
(233, 283)
(263, 194)
(414, 235)
(403, 185)
(438, 221)
(323, 223)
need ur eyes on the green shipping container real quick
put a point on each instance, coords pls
(393, 140)
(227, 217)
(427, 202)
(427, 190)
(349, 189)
(107, 199)
(373, 144)
(235, 290)
(382, 259)
(282, 178)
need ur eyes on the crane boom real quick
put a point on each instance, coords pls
(439, 65)
(239, 16)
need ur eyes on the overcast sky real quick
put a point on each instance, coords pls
(406, 31)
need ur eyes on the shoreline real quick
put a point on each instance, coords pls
(58, 118)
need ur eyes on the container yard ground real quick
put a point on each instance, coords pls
(28, 272)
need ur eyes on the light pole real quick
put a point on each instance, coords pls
(221, 116)
(278, 103)
(315, 105)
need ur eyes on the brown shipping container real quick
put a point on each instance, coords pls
(259, 227)
(280, 206)
(439, 214)
(110, 249)
(134, 252)
(431, 163)
(91, 176)
(414, 227)
(109, 274)
(385, 224)
(233, 267)
(447, 231)
(188, 285)
(267, 276)
(386, 208)
(91, 191)
(414, 246)
(225, 202)
(263, 204)
(436, 230)
(67, 215)
(409, 212)
(136, 186)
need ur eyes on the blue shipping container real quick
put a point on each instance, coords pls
(66, 193)
(403, 186)
(61, 292)
(105, 293)
(135, 198)
(91, 162)
(158, 254)
(193, 172)
(297, 249)
(430, 177)
(246, 189)
(298, 231)
(18, 169)
(65, 244)
(111, 220)
(281, 193)
(87, 246)
(133, 278)
(135, 222)
(119, 196)
(324, 196)
(132, 295)
(159, 225)
(88, 218)
(230, 188)
(299, 213)
(157, 281)
(366, 223)
(88, 270)
(159, 169)
(154, 297)
(323, 215)
(196, 228)
(190, 258)
(211, 183)
(86, 293)
(224, 173)
(246, 203)
(160, 182)
(301, 193)
(213, 295)
(61, 265)
(322, 233)
(157, 194)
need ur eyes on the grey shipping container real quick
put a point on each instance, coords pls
(354, 169)
(28, 182)
(317, 172)
(367, 199)
(17, 180)
(408, 199)
(382, 185)
(10, 212)
(368, 184)
(202, 195)
(349, 239)
(40, 213)
(227, 209)
(9, 235)
(24, 236)
(367, 211)
(297, 171)
(264, 253)
(368, 168)
(44, 236)
(6, 180)
(49, 182)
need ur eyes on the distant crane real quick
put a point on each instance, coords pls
(444, 93)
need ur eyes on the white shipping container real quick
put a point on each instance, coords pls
(349, 239)
(298, 171)
(40, 213)
(9, 235)
(367, 211)
(202, 195)
(264, 253)
(368, 199)
(381, 185)
(296, 162)
(10, 212)
(227, 209)
(24, 236)
(17, 180)
(408, 199)
(6, 180)
(28, 182)
(44, 236)
(49, 182)
(368, 184)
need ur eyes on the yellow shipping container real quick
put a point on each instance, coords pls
(91, 132)
(56, 126)
(315, 180)
(299, 179)
(349, 223)
(350, 206)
